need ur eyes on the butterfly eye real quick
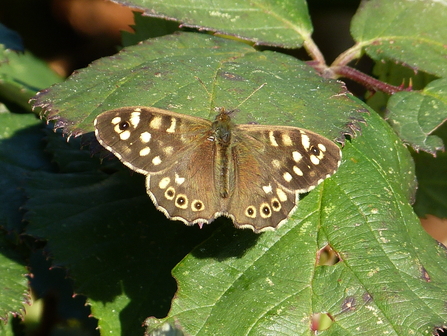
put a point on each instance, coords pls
(265, 210)
(250, 212)
(123, 125)
(315, 150)
(197, 205)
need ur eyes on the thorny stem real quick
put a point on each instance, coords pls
(339, 68)
(369, 82)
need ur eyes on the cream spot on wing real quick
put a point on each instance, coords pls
(179, 180)
(168, 150)
(297, 156)
(286, 140)
(145, 137)
(281, 195)
(267, 189)
(287, 176)
(116, 120)
(322, 147)
(272, 139)
(125, 135)
(164, 182)
(297, 171)
(171, 128)
(276, 163)
(145, 151)
(155, 123)
(305, 140)
(135, 119)
(156, 160)
(314, 160)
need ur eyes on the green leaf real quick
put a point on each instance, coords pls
(283, 23)
(163, 73)
(13, 283)
(388, 264)
(409, 32)
(21, 75)
(416, 115)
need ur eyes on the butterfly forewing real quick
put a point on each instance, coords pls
(146, 139)
(298, 159)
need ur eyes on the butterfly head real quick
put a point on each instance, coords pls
(222, 126)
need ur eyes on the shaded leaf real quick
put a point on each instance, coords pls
(147, 27)
(410, 32)
(265, 22)
(117, 247)
(20, 152)
(416, 115)
(432, 190)
(21, 75)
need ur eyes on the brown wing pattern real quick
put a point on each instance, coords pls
(273, 165)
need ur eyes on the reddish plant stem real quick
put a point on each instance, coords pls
(369, 82)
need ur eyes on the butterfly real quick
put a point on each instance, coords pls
(197, 170)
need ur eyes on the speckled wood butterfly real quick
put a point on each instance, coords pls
(197, 170)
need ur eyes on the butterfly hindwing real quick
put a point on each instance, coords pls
(187, 191)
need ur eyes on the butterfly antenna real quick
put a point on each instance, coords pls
(250, 95)
(203, 84)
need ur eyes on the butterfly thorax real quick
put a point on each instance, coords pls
(221, 131)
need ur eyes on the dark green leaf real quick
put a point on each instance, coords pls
(117, 247)
(283, 23)
(432, 190)
(147, 27)
(20, 152)
(409, 32)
